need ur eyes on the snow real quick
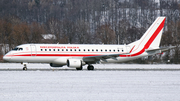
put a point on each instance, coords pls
(106, 83)
(48, 36)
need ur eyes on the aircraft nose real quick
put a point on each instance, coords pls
(6, 58)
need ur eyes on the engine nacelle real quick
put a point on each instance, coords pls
(75, 63)
(55, 65)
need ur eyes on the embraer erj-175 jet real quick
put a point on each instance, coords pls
(78, 55)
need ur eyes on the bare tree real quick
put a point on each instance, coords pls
(106, 34)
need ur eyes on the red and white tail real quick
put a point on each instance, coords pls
(152, 37)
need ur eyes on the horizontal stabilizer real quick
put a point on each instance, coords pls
(159, 50)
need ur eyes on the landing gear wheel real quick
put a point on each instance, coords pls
(90, 67)
(79, 68)
(24, 68)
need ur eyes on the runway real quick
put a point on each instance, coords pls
(107, 83)
(128, 69)
(98, 67)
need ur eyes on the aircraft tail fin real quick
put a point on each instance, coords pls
(152, 37)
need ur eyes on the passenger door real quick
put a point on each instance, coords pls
(33, 50)
(128, 48)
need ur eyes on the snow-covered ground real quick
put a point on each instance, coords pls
(36, 66)
(99, 85)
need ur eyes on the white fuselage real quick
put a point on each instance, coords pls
(49, 53)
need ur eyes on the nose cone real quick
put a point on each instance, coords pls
(6, 58)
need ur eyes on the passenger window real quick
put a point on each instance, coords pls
(45, 49)
(49, 49)
(41, 49)
(54, 49)
(110, 50)
(58, 50)
(101, 50)
(66, 49)
(70, 49)
(96, 50)
(118, 50)
(106, 50)
(93, 50)
(79, 49)
(74, 49)
(122, 50)
(84, 50)
(114, 50)
(62, 49)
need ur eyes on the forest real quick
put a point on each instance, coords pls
(89, 22)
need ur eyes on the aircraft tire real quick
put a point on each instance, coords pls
(90, 67)
(24, 68)
(79, 68)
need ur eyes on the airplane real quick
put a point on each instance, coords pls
(78, 55)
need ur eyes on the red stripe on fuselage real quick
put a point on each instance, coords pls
(58, 55)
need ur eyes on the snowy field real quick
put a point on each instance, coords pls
(107, 83)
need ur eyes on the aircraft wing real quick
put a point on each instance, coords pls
(101, 57)
(159, 50)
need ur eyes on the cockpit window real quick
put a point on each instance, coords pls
(20, 49)
(16, 49)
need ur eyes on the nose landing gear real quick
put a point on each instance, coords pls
(25, 66)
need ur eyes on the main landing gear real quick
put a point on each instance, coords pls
(89, 67)
(25, 66)
(79, 68)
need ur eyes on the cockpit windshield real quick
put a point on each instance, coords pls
(17, 48)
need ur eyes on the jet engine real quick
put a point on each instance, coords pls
(75, 63)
